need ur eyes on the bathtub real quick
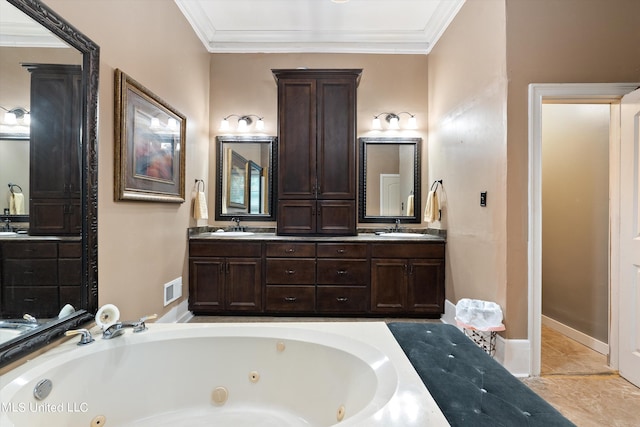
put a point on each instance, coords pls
(245, 374)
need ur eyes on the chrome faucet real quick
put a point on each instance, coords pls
(7, 224)
(397, 227)
(118, 328)
(236, 227)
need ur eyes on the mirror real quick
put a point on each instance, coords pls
(389, 179)
(245, 177)
(87, 53)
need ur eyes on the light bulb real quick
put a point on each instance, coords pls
(26, 119)
(412, 123)
(155, 123)
(242, 125)
(375, 124)
(172, 123)
(224, 124)
(260, 124)
(10, 118)
(394, 123)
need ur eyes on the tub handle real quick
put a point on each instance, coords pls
(85, 335)
(290, 299)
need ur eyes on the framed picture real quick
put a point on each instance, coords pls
(237, 183)
(149, 145)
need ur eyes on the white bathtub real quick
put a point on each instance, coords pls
(267, 374)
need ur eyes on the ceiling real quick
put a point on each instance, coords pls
(18, 30)
(323, 26)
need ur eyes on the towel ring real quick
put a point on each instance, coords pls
(198, 182)
(12, 187)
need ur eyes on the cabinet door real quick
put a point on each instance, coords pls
(297, 139)
(388, 285)
(336, 217)
(206, 284)
(336, 139)
(426, 286)
(296, 217)
(243, 287)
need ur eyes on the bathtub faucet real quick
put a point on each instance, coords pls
(118, 328)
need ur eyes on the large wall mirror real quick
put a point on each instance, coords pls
(389, 179)
(245, 177)
(31, 34)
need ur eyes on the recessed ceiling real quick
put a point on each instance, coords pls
(327, 26)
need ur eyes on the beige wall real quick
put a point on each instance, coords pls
(550, 41)
(575, 216)
(143, 245)
(467, 149)
(244, 84)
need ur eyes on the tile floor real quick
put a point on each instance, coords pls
(577, 381)
(574, 379)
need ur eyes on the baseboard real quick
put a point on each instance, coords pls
(581, 337)
(178, 314)
(514, 355)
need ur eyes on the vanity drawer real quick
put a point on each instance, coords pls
(343, 272)
(407, 250)
(224, 249)
(70, 250)
(38, 301)
(349, 299)
(291, 250)
(342, 250)
(30, 272)
(291, 271)
(291, 298)
(30, 250)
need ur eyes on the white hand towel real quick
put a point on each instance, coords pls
(432, 208)
(200, 206)
(16, 204)
(410, 205)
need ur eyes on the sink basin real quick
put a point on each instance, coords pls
(8, 233)
(232, 233)
(402, 235)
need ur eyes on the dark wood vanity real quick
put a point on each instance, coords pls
(365, 276)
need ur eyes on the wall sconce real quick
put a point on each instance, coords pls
(243, 122)
(394, 121)
(12, 116)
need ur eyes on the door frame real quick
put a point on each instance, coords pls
(570, 93)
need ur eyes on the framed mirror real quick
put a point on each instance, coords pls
(245, 173)
(389, 179)
(40, 23)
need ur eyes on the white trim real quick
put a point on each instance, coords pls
(592, 92)
(581, 337)
(178, 314)
(449, 315)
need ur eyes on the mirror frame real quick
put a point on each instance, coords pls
(417, 188)
(46, 333)
(271, 178)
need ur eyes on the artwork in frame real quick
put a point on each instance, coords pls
(149, 145)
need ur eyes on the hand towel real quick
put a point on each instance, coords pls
(16, 204)
(410, 205)
(200, 206)
(432, 208)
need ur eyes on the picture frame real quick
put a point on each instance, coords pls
(237, 182)
(150, 145)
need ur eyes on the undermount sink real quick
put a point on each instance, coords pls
(411, 235)
(8, 233)
(232, 233)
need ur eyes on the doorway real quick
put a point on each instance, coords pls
(575, 221)
(579, 92)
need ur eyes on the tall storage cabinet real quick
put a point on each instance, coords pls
(317, 151)
(56, 101)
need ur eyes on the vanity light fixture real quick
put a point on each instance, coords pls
(394, 121)
(244, 122)
(12, 116)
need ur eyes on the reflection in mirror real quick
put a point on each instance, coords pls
(244, 178)
(389, 179)
(49, 279)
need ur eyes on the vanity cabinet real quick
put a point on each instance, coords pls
(55, 139)
(407, 278)
(343, 278)
(225, 276)
(39, 277)
(291, 277)
(317, 151)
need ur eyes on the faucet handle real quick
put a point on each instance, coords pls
(140, 326)
(85, 335)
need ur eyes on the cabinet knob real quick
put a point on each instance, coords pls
(341, 272)
(341, 251)
(290, 250)
(290, 299)
(342, 299)
(290, 271)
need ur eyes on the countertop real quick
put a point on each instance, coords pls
(20, 237)
(361, 237)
